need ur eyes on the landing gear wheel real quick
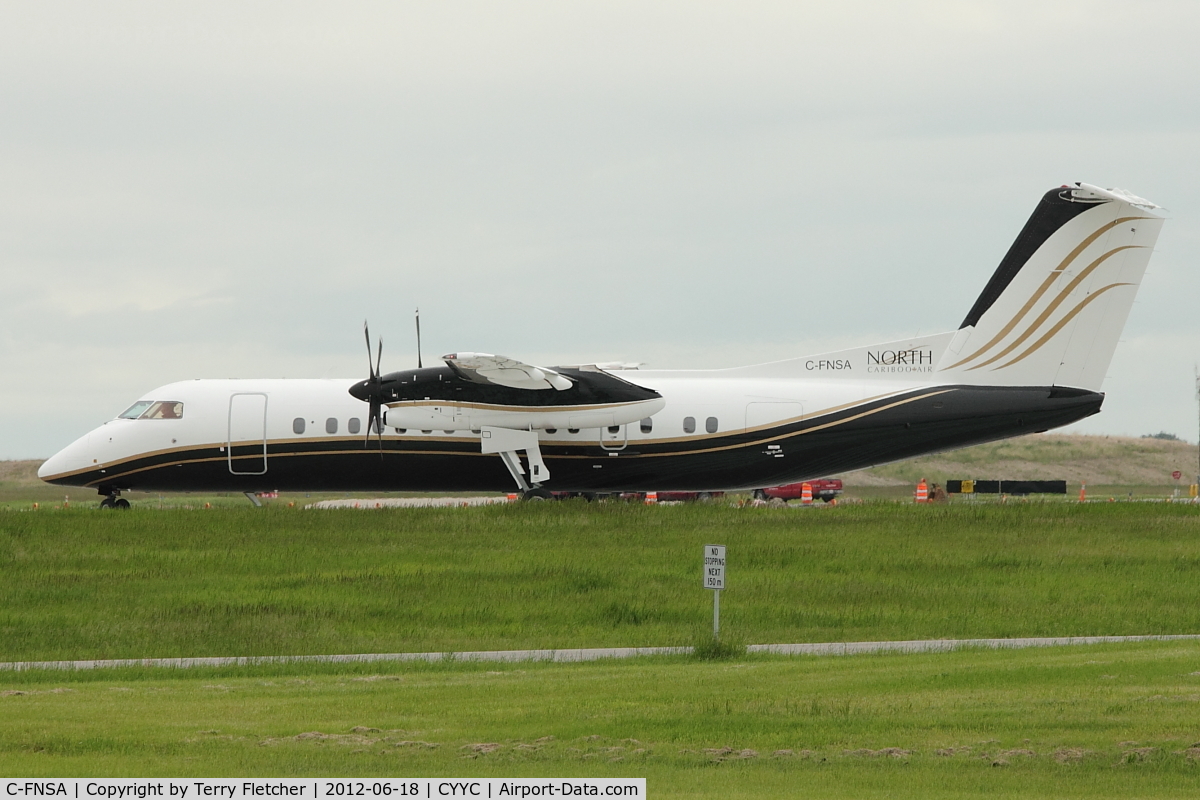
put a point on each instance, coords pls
(759, 494)
(121, 504)
(538, 493)
(108, 502)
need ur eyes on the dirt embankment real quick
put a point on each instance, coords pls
(19, 474)
(1098, 460)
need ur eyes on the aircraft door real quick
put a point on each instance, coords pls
(247, 433)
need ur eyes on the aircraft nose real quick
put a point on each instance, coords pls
(71, 458)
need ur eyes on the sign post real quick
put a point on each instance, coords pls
(714, 578)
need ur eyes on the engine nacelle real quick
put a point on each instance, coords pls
(438, 415)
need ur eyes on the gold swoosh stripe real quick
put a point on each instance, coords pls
(356, 451)
(1054, 273)
(758, 442)
(1050, 333)
(458, 436)
(1012, 323)
(1054, 304)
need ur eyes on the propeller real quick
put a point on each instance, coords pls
(373, 387)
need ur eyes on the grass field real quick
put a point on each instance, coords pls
(1099, 721)
(1102, 721)
(254, 582)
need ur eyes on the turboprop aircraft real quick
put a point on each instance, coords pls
(1029, 356)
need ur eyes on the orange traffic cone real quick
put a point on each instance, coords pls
(922, 492)
(1083, 492)
(806, 494)
(651, 498)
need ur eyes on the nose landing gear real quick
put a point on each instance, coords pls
(112, 499)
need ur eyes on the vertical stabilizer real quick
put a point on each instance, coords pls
(1055, 307)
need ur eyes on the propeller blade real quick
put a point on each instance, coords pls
(379, 428)
(374, 423)
(374, 385)
(367, 335)
(419, 365)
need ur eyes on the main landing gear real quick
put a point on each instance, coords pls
(507, 442)
(112, 499)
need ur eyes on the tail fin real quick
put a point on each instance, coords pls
(1055, 307)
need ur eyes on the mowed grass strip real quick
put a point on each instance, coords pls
(82, 584)
(1097, 721)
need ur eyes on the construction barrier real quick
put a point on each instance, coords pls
(1083, 492)
(1005, 487)
(922, 495)
(651, 498)
(806, 494)
(512, 497)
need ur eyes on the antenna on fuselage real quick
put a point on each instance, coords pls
(419, 365)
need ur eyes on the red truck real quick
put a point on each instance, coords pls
(822, 489)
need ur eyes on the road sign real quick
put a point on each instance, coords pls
(714, 566)
(1176, 474)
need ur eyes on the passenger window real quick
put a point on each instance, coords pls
(647, 425)
(298, 425)
(614, 428)
(572, 430)
(551, 431)
(689, 424)
(353, 425)
(710, 424)
(331, 425)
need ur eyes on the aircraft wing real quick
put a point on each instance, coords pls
(505, 371)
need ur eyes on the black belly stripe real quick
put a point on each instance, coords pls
(878, 431)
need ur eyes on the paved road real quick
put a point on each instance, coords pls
(410, 502)
(597, 653)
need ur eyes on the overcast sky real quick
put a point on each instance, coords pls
(229, 189)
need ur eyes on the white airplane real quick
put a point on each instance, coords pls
(1030, 356)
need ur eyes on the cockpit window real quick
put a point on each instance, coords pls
(151, 409)
(135, 410)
